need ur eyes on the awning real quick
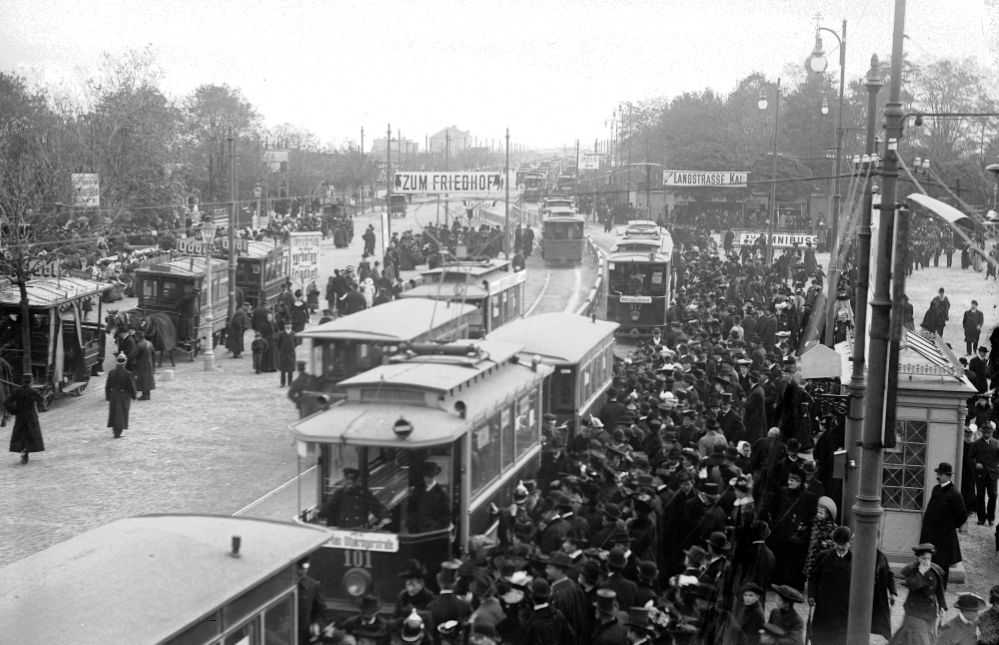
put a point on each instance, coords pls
(946, 212)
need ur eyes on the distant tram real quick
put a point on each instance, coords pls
(175, 580)
(490, 284)
(347, 346)
(534, 186)
(639, 278)
(581, 351)
(562, 237)
(261, 271)
(468, 412)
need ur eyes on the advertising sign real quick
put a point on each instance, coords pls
(781, 240)
(362, 541)
(476, 183)
(705, 179)
(192, 246)
(86, 190)
(304, 253)
(589, 161)
(276, 160)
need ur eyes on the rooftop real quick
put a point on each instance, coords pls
(558, 337)
(189, 266)
(400, 320)
(50, 292)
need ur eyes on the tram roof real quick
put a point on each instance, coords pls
(638, 258)
(397, 321)
(560, 337)
(470, 268)
(143, 579)
(445, 291)
(260, 248)
(561, 212)
(190, 266)
(51, 292)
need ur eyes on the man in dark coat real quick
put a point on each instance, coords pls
(126, 346)
(610, 630)
(311, 606)
(119, 391)
(142, 367)
(237, 326)
(943, 303)
(944, 515)
(546, 625)
(528, 237)
(353, 301)
(972, 323)
(352, 505)
(429, 507)
(285, 349)
(829, 590)
(567, 596)
(259, 315)
(754, 416)
(186, 307)
(984, 454)
(27, 434)
(978, 366)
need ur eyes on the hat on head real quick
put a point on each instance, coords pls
(481, 585)
(696, 554)
(350, 472)
(430, 469)
(709, 488)
(647, 569)
(969, 602)
(638, 618)
(925, 547)
(606, 601)
(755, 588)
(944, 468)
(448, 627)
(416, 570)
(121, 358)
(616, 559)
(731, 452)
(370, 604)
(842, 535)
(761, 530)
(540, 589)
(789, 594)
(561, 560)
(590, 572)
(829, 505)
(612, 511)
(412, 627)
(718, 541)
(793, 445)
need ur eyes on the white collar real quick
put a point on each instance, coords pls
(946, 484)
(541, 606)
(432, 485)
(742, 501)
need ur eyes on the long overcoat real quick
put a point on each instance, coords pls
(755, 415)
(142, 360)
(27, 433)
(285, 345)
(944, 515)
(829, 585)
(237, 326)
(119, 392)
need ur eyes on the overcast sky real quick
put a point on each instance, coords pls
(550, 71)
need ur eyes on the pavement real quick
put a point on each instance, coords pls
(208, 442)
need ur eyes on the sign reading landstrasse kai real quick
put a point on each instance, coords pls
(478, 183)
(705, 178)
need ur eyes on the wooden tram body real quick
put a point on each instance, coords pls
(580, 350)
(562, 238)
(161, 287)
(491, 285)
(347, 346)
(261, 271)
(161, 580)
(66, 350)
(473, 408)
(639, 279)
(534, 186)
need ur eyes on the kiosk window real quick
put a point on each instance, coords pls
(904, 474)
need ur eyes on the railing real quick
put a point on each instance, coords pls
(593, 297)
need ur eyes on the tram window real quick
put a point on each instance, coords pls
(248, 634)
(147, 288)
(242, 275)
(563, 391)
(506, 433)
(527, 423)
(485, 453)
(170, 290)
(279, 624)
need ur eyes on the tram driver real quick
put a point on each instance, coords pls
(353, 506)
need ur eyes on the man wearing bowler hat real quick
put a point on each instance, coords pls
(625, 589)
(944, 515)
(429, 508)
(566, 595)
(829, 590)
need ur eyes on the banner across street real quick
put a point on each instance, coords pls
(474, 183)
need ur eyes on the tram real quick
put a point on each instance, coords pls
(347, 346)
(639, 278)
(534, 185)
(580, 350)
(261, 270)
(161, 580)
(490, 284)
(467, 413)
(562, 237)
(555, 202)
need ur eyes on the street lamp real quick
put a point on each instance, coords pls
(257, 192)
(817, 64)
(208, 237)
(762, 103)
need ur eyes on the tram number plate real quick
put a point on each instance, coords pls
(353, 558)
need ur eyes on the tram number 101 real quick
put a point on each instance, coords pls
(353, 558)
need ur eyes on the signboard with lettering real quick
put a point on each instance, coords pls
(86, 190)
(471, 204)
(589, 161)
(304, 253)
(704, 179)
(476, 183)
(636, 299)
(781, 240)
(193, 246)
(363, 541)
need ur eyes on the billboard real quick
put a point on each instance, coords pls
(705, 179)
(589, 161)
(86, 190)
(304, 254)
(476, 183)
(276, 160)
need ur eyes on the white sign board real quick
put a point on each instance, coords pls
(589, 161)
(381, 542)
(476, 183)
(304, 253)
(504, 283)
(274, 158)
(636, 299)
(86, 190)
(704, 179)
(781, 240)
(470, 204)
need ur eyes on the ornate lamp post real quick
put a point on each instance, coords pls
(763, 104)
(208, 237)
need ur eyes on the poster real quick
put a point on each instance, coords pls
(304, 254)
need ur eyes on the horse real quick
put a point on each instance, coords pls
(156, 326)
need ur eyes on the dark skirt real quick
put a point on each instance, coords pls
(27, 434)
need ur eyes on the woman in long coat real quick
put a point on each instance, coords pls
(267, 329)
(234, 336)
(119, 391)
(27, 434)
(142, 362)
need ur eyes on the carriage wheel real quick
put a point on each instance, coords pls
(79, 391)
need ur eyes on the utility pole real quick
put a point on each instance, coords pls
(447, 167)
(858, 379)
(233, 219)
(388, 183)
(834, 268)
(506, 208)
(362, 170)
(867, 509)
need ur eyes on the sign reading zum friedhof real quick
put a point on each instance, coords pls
(705, 178)
(476, 183)
(381, 542)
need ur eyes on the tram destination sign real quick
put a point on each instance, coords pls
(381, 542)
(705, 179)
(472, 183)
(193, 246)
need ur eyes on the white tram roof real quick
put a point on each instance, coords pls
(260, 248)
(143, 579)
(189, 266)
(469, 268)
(445, 291)
(51, 292)
(561, 212)
(558, 337)
(639, 258)
(483, 386)
(393, 322)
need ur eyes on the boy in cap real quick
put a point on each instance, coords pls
(258, 347)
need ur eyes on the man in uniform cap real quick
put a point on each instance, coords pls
(945, 514)
(119, 390)
(428, 508)
(352, 505)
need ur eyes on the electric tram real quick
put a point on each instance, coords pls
(467, 413)
(161, 580)
(580, 350)
(261, 270)
(490, 284)
(562, 237)
(639, 279)
(347, 346)
(534, 186)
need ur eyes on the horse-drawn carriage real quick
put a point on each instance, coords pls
(172, 310)
(66, 348)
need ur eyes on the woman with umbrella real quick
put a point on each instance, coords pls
(27, 434)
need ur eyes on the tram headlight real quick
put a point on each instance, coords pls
(635, 315)
(402, 428)
(357, 582)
